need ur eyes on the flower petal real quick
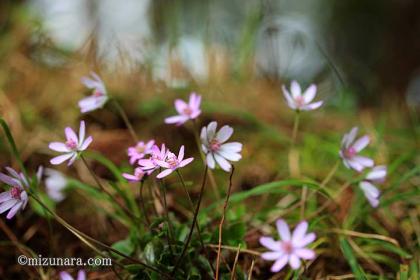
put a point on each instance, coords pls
(312, 106)
(279, 264)
(86, 143)
(82, 131)
(176, 119)
(365, 161)
(232, 146)
(378, 173)
(232, 156)
(9, 180)
(270, 243)
(211, 130)
(60, 159)
(361, 143)
(181, 153)
(164, 173)
(299, 232)
(210, 161)
(222, 162)
(309, 94)
(294, 261)
(309, 238)
(271, 256)
(349, 137)
(65, 276)
(7, 205)
(70, 134)
(224, 133)
(4, 196)
(14, 210)
(283, 230)
(186, 162)
(305, 253)
(295, 89)
(58, 147)
(81, 275)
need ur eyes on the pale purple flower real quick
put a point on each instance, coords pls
(350, 148)
(299, 101)
(291, 248)
(99, 96)
(16, 197)
(81, 275)
(55, 183)
(173, 162)
(376, 175)
(140, 150)
(137, 176)
(186, 111)
(149, 165)
(72, 147)
(215, 148)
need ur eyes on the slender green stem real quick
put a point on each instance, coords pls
(197, 209)
(170, 234)
(142, 204)
(125, 119)
(219, 248)
(330, 174)
(203, 247)
(102, 188)
(295, 128)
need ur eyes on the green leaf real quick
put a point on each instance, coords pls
(351, 259)
(124, 246)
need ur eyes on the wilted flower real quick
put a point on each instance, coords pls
(140, 150)
(136, 177)
(291, 248)
(55, 183)
(376, 175)
(186, 111)
(173, 162)
(149, 165)
(298, 101)
(215, 148)
(350, 149)
(81, 275)
(99, 96)
(72, 147)
(16, 197)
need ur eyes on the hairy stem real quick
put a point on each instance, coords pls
(197, 209)
(219, 249)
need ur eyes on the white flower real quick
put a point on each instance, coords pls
(376, 175)
(215, 148)
(301, 102)
(350, 149)
(72, 147)
(55, 183)
(99, 96)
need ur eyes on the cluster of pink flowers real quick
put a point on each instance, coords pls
(349, 153)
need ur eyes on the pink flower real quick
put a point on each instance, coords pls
(99, 96)
(140, 150)
(350, 149)
(81, 275)
(376, 175)
(172, 162)
(16, 197)
(72, 147)
(291, 248)
(301, 102)
(149, 165)
(186, 111)
(215, 148)
(137, 177)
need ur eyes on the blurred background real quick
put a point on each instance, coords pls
(363, 55)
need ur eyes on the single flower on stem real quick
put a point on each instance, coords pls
(149, 165)
(73, 146)
(291, 248)
(16, 197)
(81, 275)
(173, 162)
(55, 183)
(298, 101)
(215, 148)
(140, 150)
(350, 148)
(136, 177)
(376, 175)
(186, 111)
(99, 96)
